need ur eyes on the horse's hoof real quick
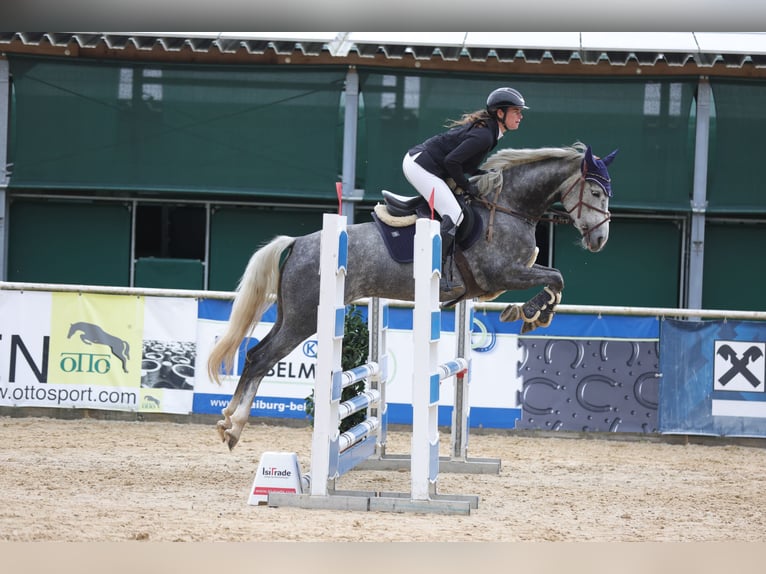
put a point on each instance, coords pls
(510, 314)
(544, 320)
(230, 440)
(527, 327)
(222, 427)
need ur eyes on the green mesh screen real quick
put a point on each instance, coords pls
(69, 242)
(639, 266)
(236, 232)
(175, 128)
(737, 150)
(648, 120)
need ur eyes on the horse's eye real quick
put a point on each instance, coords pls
(595, 191)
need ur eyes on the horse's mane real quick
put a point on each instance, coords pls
(508, 157)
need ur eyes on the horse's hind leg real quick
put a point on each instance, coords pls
(237, 411)
(223, 426)
(260, 359)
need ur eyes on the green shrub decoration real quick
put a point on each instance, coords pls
(355, 351)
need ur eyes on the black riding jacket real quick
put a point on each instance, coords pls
(458, 151)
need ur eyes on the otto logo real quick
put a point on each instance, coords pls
(274, 472)
(85, 363)
(91, 334)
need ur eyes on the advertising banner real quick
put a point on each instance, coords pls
(283, 391)
(150, 354)
(496, 387)
(713, 376)
(494, 384)
(89, 350)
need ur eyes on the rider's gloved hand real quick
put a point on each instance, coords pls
(471, 190)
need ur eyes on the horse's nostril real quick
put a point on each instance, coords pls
(599, 243)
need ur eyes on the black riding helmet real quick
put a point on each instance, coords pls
(503, 98)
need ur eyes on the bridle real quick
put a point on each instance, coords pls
(595, 178)
(556, 216)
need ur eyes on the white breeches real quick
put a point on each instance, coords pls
(425, 182)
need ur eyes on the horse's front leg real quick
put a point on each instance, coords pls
(539, 310)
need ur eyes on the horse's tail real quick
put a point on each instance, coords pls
(255, 293)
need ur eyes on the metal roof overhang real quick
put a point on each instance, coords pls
(738, 54)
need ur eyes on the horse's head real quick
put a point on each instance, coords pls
(586, 200)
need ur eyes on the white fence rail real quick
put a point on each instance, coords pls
(484, 306)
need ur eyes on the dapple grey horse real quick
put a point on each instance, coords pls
(524, 184)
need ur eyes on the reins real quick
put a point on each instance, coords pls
(492, 206)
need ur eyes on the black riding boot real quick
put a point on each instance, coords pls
(448, 231)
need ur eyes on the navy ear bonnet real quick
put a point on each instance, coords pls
(594, 169)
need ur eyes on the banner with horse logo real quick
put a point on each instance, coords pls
(101, 351)
(713, 377)
(96, 339)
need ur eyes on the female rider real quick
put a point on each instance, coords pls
(458, 152)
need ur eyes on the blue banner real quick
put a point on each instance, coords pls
(713, 378)
(273, 407)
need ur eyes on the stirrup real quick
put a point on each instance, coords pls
(445, 285)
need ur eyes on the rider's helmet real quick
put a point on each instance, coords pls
(502, 98)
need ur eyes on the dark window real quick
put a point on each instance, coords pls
(170, 231)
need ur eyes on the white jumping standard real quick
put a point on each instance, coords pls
(334, 453)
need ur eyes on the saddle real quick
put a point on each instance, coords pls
(395, 220)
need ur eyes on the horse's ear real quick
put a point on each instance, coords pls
(588, 155)
(608, 159)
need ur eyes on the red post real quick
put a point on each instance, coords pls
(431, 203)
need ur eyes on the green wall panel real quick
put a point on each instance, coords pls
(736, 148)
(82, 124)
(164, 273)
(639, 266)
(69, 242)
(733, 277)
(237, 232)
(267, 131)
